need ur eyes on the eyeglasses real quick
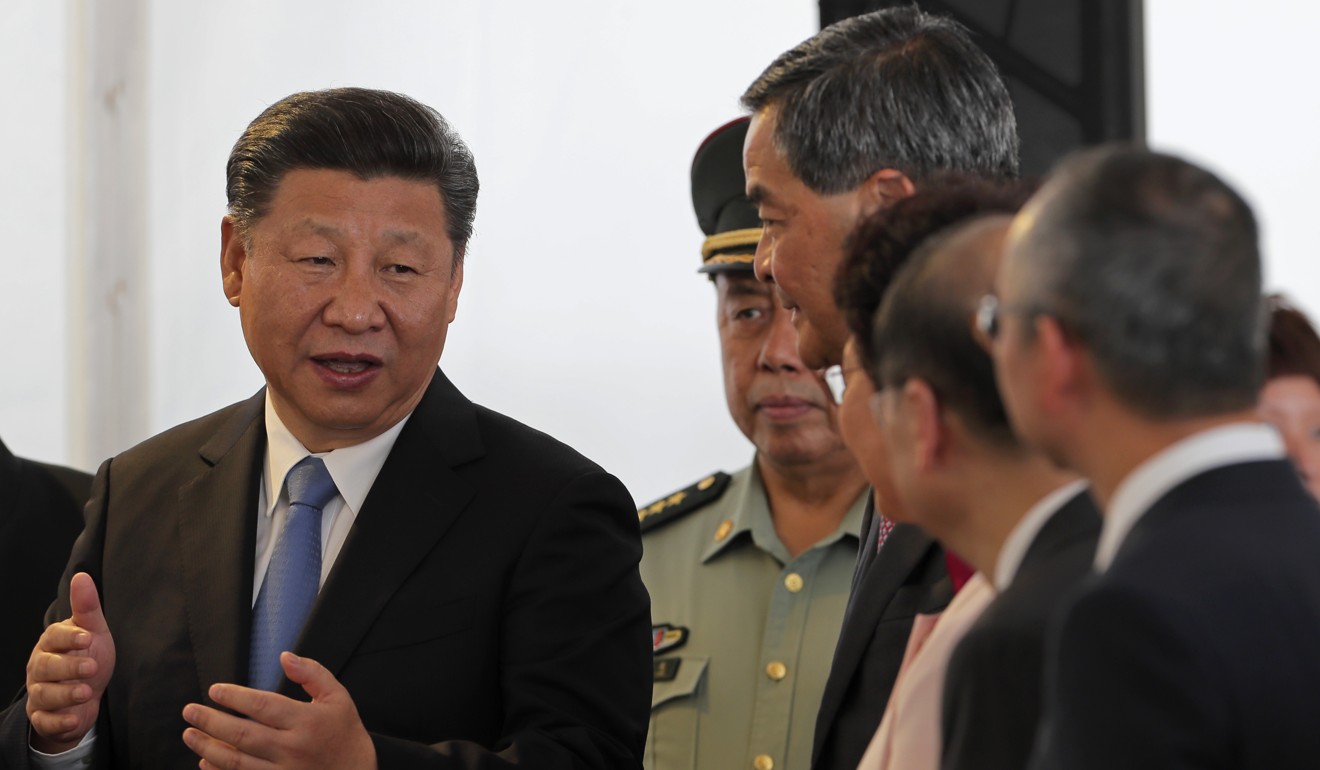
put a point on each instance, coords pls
(989, 317)
(836, 382)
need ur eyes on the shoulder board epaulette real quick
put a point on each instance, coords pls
(682, 502)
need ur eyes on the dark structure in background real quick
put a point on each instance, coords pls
(1075, 68)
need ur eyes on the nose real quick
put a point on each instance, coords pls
(356, 305)
(763, 261)
(779, 350)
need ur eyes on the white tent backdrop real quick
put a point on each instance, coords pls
(581, 312)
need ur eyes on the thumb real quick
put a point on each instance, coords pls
(315, 679)
(86, 604)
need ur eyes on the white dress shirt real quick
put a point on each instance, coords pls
(1214, 448)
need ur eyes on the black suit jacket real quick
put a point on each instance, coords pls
(40, 515)
(485, 610)
(992, 688)
(1199, 647)
(906, 577)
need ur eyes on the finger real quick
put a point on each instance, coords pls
(63, 636)
(218, 755)
(51, 667)
(53, 696)
(54, 725)
(86, 604)
(314, 678)
(247, 737)
(263, 707)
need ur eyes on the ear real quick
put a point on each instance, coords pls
(930, 441)
(884, 188)
(1062, 372)
(233, 257)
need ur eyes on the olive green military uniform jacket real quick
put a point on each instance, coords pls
(744, 634)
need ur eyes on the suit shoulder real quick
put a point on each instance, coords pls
(504, 434)
(224, 424)
(77, 484)
(676, 505)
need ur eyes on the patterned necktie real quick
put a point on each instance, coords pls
(883, 525)
(294, 574)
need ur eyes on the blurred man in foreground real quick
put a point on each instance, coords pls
(967, 695)
(1130, 348)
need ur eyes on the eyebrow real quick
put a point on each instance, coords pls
(757, 194)
(327, 230)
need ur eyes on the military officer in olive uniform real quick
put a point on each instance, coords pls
(749, 573)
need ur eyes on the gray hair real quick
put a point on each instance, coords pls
(1152, 263)
(896, 88)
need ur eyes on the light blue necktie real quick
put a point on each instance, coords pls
(294, 574)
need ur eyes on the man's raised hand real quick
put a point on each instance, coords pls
(69, 670)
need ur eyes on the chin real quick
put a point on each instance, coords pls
(887, 503)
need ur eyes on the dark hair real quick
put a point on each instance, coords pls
(896, 88)
(366, 132)
(883, 242)
(910, 311)
(1152, 263)
(1294, 344)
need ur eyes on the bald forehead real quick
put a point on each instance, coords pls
(969, 253)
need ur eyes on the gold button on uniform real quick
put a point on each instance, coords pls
(793, 582)
(776, 671)
(764, 762)
(724, 529)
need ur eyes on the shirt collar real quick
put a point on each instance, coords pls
(1024, 533)
(1214, 448)
(353, 469)
(750, 513)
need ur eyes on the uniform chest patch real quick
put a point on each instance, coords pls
(665, 669)
(665, 637)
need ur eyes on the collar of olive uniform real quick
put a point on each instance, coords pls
(747, 512)
(750, 512)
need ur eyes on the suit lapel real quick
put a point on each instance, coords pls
(217, 536)
(865, 550)
(415, 499)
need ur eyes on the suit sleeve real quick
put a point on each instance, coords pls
(575, 645)
(1128, 685)
(991, 700)
(86, 557)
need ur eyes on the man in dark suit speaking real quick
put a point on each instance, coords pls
(461, 591)
(1131, 348)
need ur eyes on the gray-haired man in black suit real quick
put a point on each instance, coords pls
(1131, 349)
